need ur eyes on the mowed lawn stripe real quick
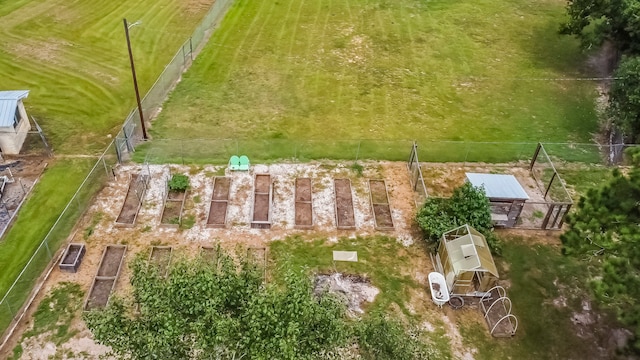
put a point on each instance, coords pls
(436, 70)
(73, 58)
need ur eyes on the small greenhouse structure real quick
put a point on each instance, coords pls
(465, 260)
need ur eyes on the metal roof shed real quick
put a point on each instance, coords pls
(465, 260)
(506, 196)
(14, 122)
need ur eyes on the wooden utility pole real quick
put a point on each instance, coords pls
(135, 80)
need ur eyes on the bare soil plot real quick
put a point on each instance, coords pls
(217, 217)
(262, 196)
(111, 260)
(303, 204)
(133, 200)
(72, 257)
(173, 206)
(161, 258)
(100, 292)
(106, 277)
(380, 204)
(345, 218)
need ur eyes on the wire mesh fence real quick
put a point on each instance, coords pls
(12, 302)
(131, 133)
(218, 151)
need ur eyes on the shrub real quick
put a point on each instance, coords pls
(179, 182)
(467, 205)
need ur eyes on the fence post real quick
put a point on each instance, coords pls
(535, 156)
(46, 245)
(191, 47)
(9, 307)
(466, 155)
(104, 163)
(358, 152)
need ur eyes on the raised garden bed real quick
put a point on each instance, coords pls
(161, 258)
(72, 257)
(174, 200)
(262, 197)
(380, 204)
(345, 217)
(133, 200)
(106, 277)
(219, 203)
(303, 204)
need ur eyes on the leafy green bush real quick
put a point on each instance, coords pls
(226, 312)
(380, 338)
(467, 205)
(179, 182)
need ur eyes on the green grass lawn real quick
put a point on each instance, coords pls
(380, 69)
(547, 290)
(35, 219)
(73, 58)
(537, 275)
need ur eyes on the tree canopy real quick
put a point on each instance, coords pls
(606, 228)
(200, 311)
(624, 97)
(594, 21)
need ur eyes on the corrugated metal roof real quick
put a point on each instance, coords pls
(8, 103)
(14, 94)
(498, 186)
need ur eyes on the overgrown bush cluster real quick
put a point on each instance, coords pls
(224, 311)
(467, 205)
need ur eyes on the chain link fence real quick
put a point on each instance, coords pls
(22, 289)
(131, 133)
(218, 151)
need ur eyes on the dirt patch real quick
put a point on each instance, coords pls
(353, 289)
(171, 212)
(304, 205)
(131, 203)
(72, 254)
(345, 218)
(100, 293)
(219, 202)
(111, 261)
(261, 202)
(380, 204)
(51, 50)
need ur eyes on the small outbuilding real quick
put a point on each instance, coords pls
(14, 123)
(465, 260)
(506, 196)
